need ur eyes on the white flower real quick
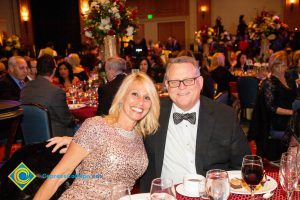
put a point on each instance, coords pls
(107, 27)
(275, 17)
(113, 10)
(117, 15)
(94, 5)
(105, 21)
(129, 30)
(88, 34)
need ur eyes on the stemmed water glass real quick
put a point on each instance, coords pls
(252, 171)
(120, 192)
(288, 174)
(217, 184)
(162, 188)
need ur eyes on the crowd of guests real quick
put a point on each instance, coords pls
(138, 129)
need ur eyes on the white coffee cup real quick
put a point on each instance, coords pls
(194, 184)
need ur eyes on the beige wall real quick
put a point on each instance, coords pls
(190, 24)
(230, 10)
(9, 17)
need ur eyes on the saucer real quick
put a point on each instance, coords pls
(181, 191)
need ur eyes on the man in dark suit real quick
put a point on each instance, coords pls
(196, 134)
(42, 91)
(12, 83)
(114, 69)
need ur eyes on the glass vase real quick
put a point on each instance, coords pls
(110, 46)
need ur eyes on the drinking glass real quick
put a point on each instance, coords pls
(217, 184)
(288, 174)
(120, 192)
(252, 171)
(162, 188)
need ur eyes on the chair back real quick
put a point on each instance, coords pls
(222, 97)
(36, 123)
(247, 88)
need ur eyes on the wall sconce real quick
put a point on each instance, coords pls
(292, 4)
(85, 8)
(203, 10)
(25, 14)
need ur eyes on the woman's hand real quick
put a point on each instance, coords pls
(59, 142)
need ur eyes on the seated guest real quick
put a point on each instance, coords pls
(144, 65)
(111, 146)
(49, 50)
(241, 63)
(206, 134)
(65, 77)
(78, 71)
(31, 69)
(12, 83)
(42, 91)
(114, 69)
(220, 74)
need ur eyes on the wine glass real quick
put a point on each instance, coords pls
(162, 188)
(217, 184)
(288, 174)
(120, 192)
(252, 171)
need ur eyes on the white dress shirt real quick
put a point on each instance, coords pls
(180, 148)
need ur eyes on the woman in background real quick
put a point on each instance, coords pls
(65, 76)
(78, 71)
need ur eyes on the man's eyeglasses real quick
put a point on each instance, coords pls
(186, 82)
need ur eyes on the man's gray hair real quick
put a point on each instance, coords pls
(183, 59)
(12, 61)
(116, 63)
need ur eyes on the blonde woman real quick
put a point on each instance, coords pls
(278, 96)
(219, 73)
(111, 146)
(78, 71)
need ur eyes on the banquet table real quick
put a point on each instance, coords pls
(83, 113)
(278, 195)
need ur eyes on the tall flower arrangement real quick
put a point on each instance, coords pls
(266, 24)
(110, 17)
(205, 35)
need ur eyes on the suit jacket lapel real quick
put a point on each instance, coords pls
(162, 135)
(205, 127)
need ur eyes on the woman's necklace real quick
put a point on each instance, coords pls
(127, 134)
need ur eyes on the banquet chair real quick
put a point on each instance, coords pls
(36, 123)
(247, 88)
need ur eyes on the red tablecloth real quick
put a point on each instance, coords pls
(278, 195)
(84, 113)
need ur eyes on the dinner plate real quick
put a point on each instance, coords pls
(181, 191)
(141, 196)
(269, 186)
(76, 106)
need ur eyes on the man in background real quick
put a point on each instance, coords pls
(12, 82)
(42, 91)
(114, 69)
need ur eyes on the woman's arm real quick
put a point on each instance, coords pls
(74, 155)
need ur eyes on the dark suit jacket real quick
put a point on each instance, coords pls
(41, 91)
(220, 144)
(106, 94)
(9, 89)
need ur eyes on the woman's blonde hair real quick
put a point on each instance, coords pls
(277, 60)
(149, 123)
(73, 59)
(296, 58)
(217, 60)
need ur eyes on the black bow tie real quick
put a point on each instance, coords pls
(178, 117)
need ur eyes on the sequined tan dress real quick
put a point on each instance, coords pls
(117, 155)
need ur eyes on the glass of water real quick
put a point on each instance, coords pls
(217, 184)
(161, 189)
